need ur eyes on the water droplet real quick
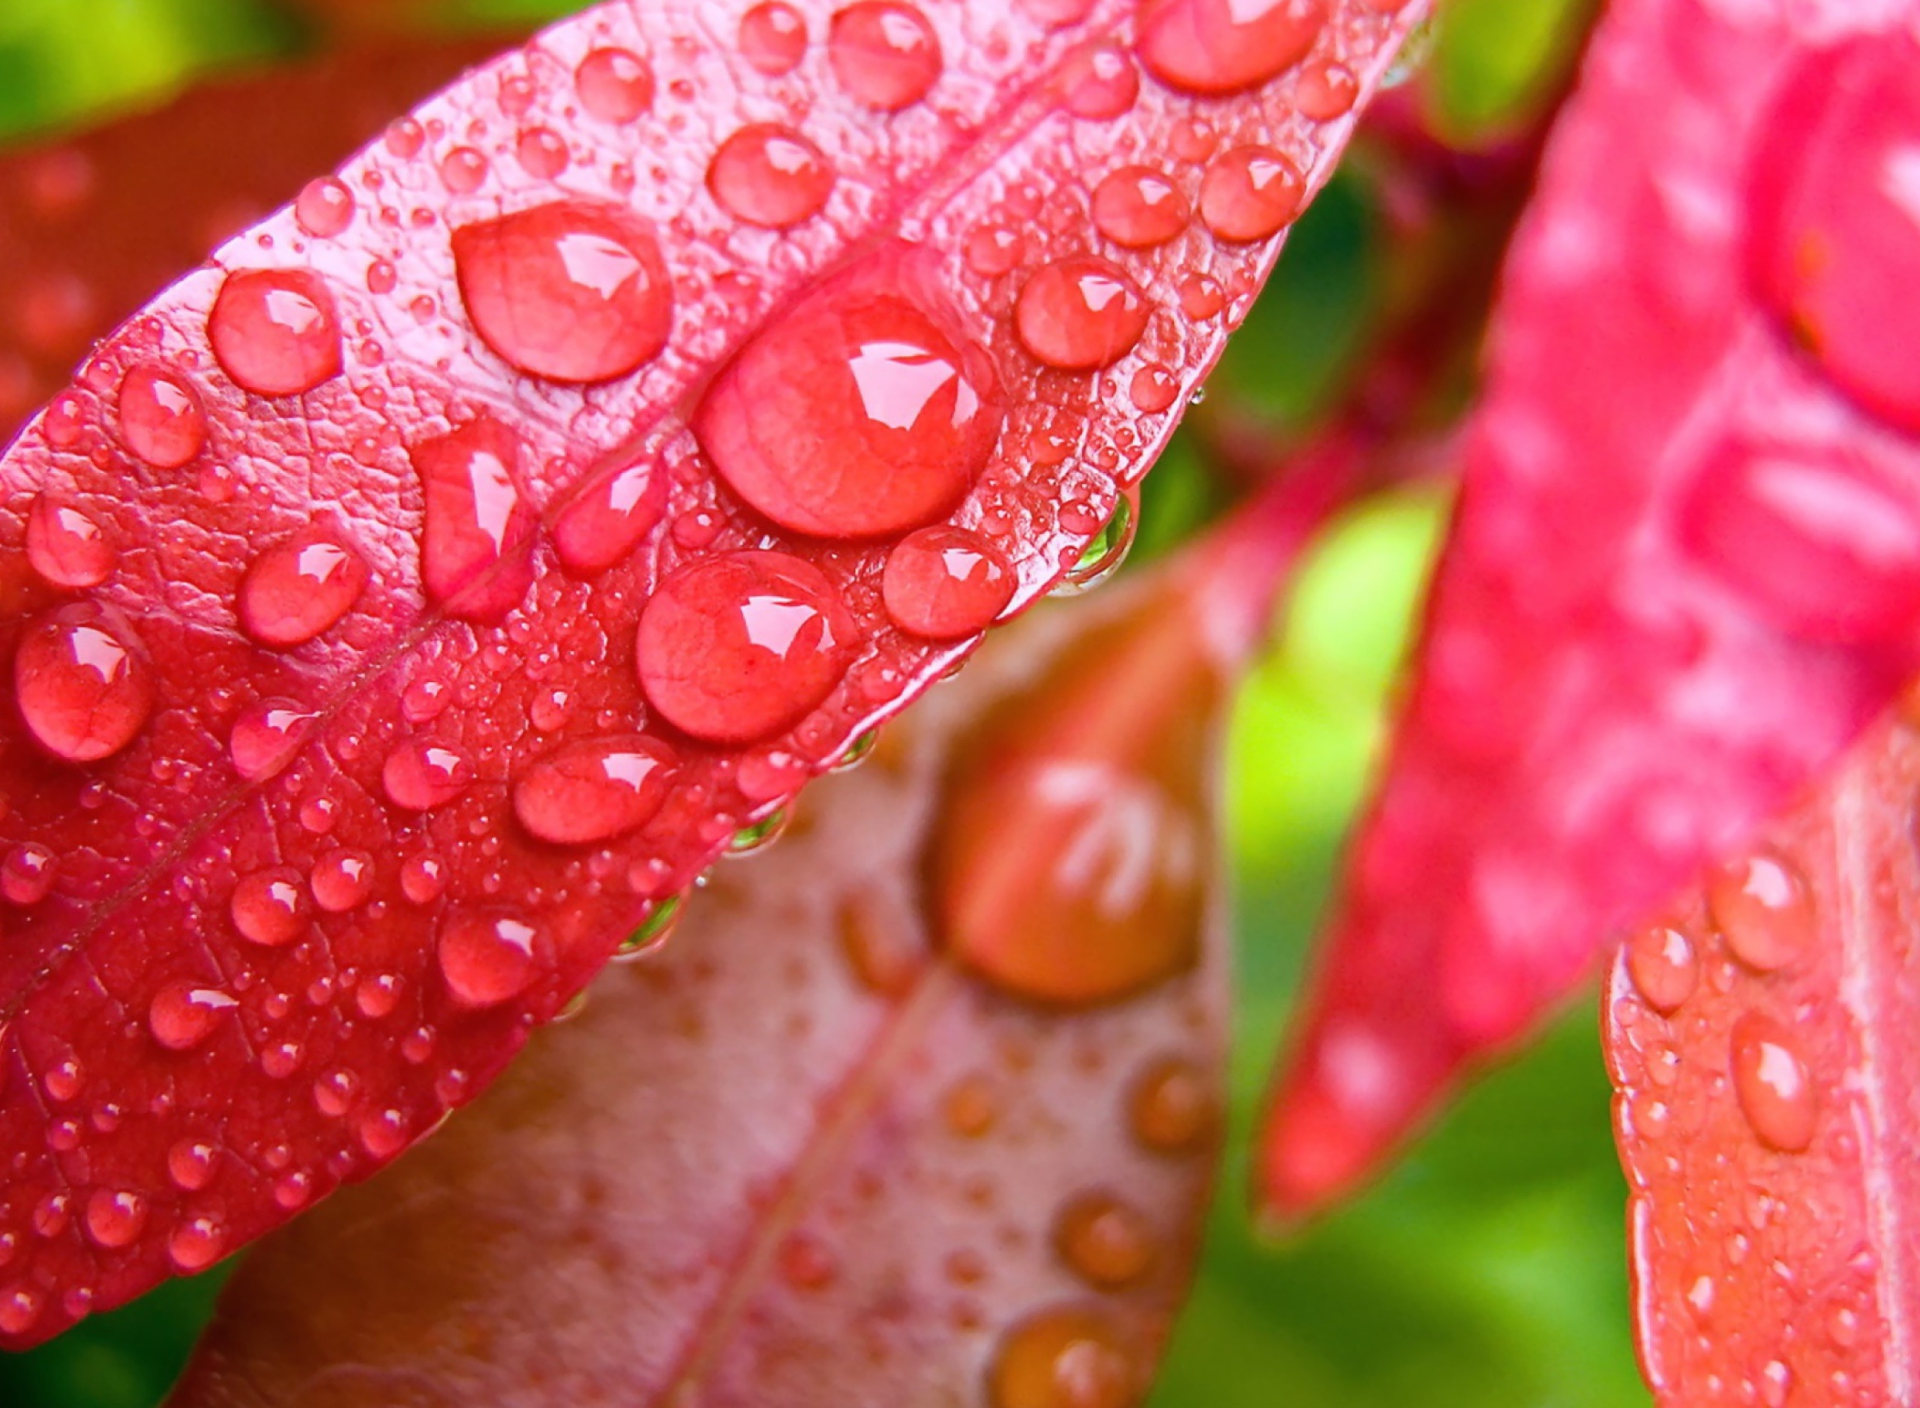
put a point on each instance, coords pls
(1223, 46)
(1201, 297)
(275, 332)
(1772, 1084)
(885, 53)
(423, 878)
(333, 1093)
(1250, 193)
(115, 1219)
(64, 1081)
(993, 250)
(594, 790)
(1326, 90)
(542, 153)
(342, 880)
(610, 519)
(1099, 82)
(1173, 1108)
(654, 930)
(1761, 905)
(773, 38)
(325, 208)
(615, 85)
(28, 873)
(757, 836)
(52, 1213)
(573, 292)
(379, 995)
(1662, 964)
(770, 175)
(421, 775)
(860, 413)
(160, 418)
(1835, 217)
(477, 551)
(739, 648)
(20, 1309)
(945, 583)
(191, 1164)
(1056, 14)
(1066, 1357)
(971, 1107)
(463, 170)
(383, 1133)
(293, 1191)
(297, 590)
(1139, 207)
(1822, 550)
(486, 959)
(1105, 554)
(197, 1243)
(1154, 389)
(1107, 1242)
(83, 683)
(65, 546)
(1080, 314)
(267, 737)
(182, 1015)
(1776, 1380)
(269, 907)
(405, 137)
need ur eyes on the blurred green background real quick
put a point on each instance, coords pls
(1489, 1269)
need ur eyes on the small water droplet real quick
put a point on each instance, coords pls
(770, 175)
(1761, 905)
(594, 790)
(191, 1164)
(1201, 297)
(325, 208)
(542, 153)
(993, 250)
(28, 873)
(615, 85)
(269, 907)
(197, 1243)
(293, 1191)
(1066, 1357)
(1139, 207)
(773, 38)
(476, 554)
(610, 519)
(267, 736)
(1326, 90)
(423, 878)
(1770, 1078)
(885, 53)
(342, 881)
(420, 774)
(115, 1218)
(1080, 314)
(807, 1263)
(1173, 1109)
(160, 418)
(945, 583)
(383, 1133)
(486, 959)
(182, 1015)
(463, 170)
(1223, 46)
(757, 836)
(1106, 1241)
(1250, 193)
(83, 682)
(20, 1309)
(1099, 82)
(301, 588)
(1663, 966)
(379, 995)
(405, 137)
(333, 1093)
(971, 1107)
(65, 546)
(573, 292)
(275, 331)
(654, 930)
(1105, 554)
(64, 1081)
(738, 648)
(1154, 389)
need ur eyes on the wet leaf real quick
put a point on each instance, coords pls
(1686, 567)
(509, 441)
(808, 1150)
(1761, 1035)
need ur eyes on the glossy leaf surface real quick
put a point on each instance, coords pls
(296, 910)
(1686, 567)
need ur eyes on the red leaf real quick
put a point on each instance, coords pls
(798, 1156)
(407, 726)
(1762, 1039)
(1686, 565)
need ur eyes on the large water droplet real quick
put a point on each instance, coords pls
(275, 331)
(269, 907)
(420, 774)
(83, 683)
(65, 546)
(183, 1015)
(1663, 967)
(884, 53)
(1250, 193)
(115, 1218)
(1222, 46)
(770, 175)
(267, 736)
(944, 583)
(860, 413)
(1080, 314)
(160, 418)
(1822, 549)
(773, 38)
(1106, 1241)
(738, 648)
(594, 790)
(615, 85)
(1761, 905)
(477, 551)
(1772, 1084)
(1139, 207)
(1173, 1108)
(1836, 216)
(1071, 1356)
(28, 873)
(486, 959)
(302, 587)
(610, 519)
(573, 292)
